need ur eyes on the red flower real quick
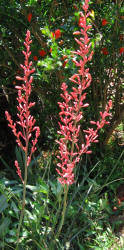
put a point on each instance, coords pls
(52, 34)
(75, 7)
(29, 17)
(104, 22)
(35, 58)
(64, 57)
(76, 33)
(71, 110)
(64, 63)
(50, 50)
(105, 51)
(119, 202)
(25, 120)
(81, 21)
(57, 34)
(121, 51)
(42, 52)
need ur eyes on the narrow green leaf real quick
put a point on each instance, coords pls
(3, 203)
(4, 226)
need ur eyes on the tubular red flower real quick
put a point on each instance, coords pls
(19, 171)
(121, 50)
(29, 17)
(64, 63)
(25, 120)
(82, 21)
(35, 58)
(104, 22)
(57, 34)
(71, 108)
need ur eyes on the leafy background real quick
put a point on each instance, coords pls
(94, 218)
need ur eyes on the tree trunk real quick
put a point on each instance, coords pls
(116, 120)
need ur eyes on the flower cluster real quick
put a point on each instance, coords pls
(105, 50)
(71, 108)
(56, 34)
(26, 120)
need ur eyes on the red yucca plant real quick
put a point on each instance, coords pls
(28, 134)
(26, 120)
(71, 112)
(72, 105)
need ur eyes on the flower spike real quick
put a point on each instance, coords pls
(71, 107)
(25, 120)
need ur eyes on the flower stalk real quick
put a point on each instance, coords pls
(71, 112)
(28, 134)
(66, 188)
(71, 108)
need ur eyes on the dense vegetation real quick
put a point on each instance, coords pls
(94, 206)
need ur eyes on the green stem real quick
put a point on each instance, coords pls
(63, 211)
(66, 188)
(26, 166)
(23, 202)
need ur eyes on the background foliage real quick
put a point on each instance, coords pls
(94, 195)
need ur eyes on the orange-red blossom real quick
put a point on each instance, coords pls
(28, 132)
(71, 108)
